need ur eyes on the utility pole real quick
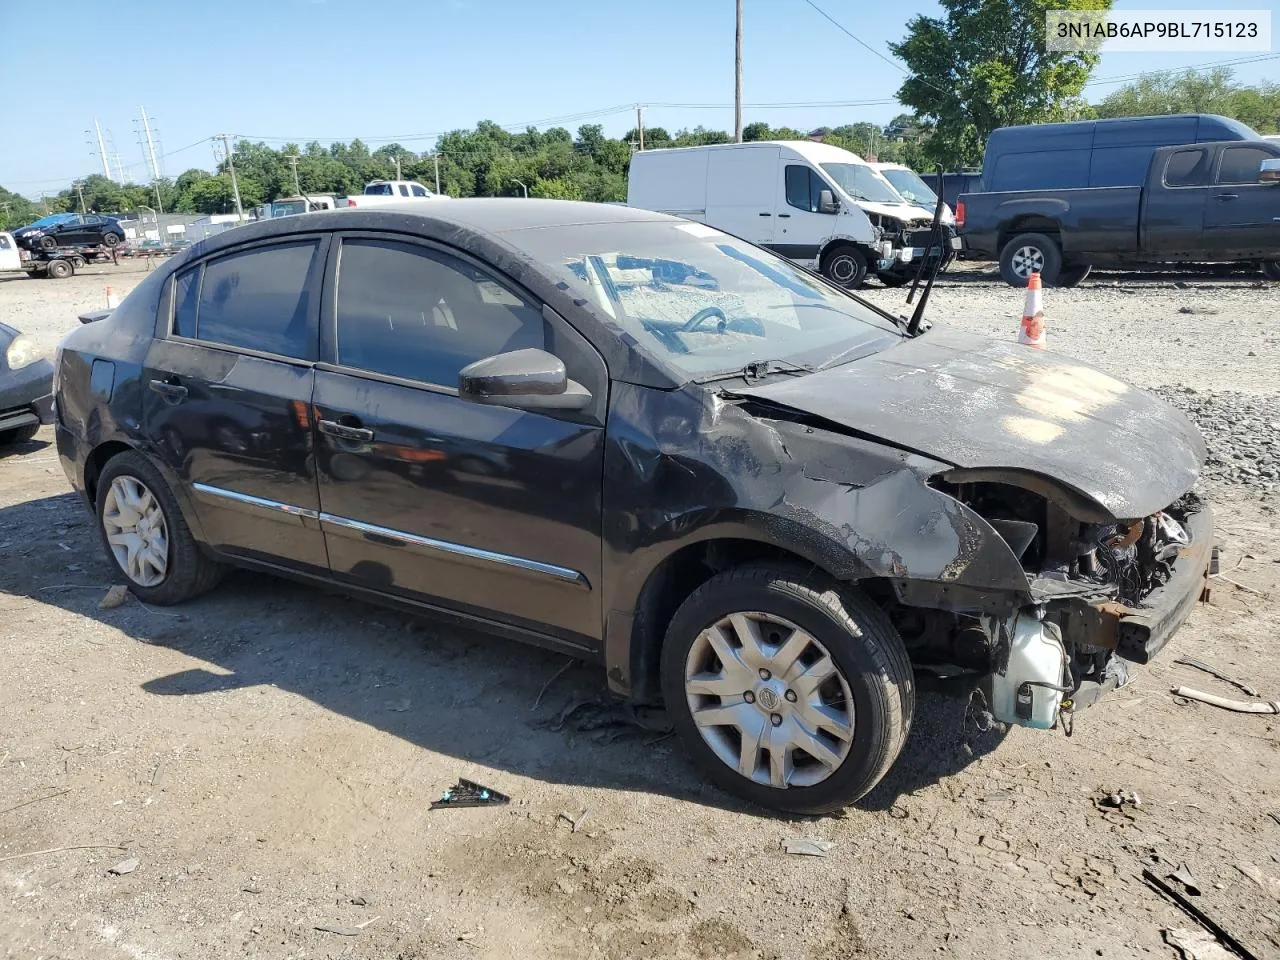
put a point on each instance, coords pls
(436, 157)
(159, 205)
(119, 166)
(102, 149)
(235, 184)
(293, 162)
(640, 124)
(151, 147)
(80, 194)
(737, 77)
(395, 158)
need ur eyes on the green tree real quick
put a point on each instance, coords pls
(984, 65)
(1192, 92)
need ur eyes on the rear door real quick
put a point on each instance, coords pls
(742, 191)
(1174, 202)
(486, 510)
(1242, 217)
(226, 398)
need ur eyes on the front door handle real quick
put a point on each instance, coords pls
(344, 432)
(787, 215)
(766, 214)
(173, 392)
(1228, 196)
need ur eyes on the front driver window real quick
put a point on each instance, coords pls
(1240, 164)
(406, 311)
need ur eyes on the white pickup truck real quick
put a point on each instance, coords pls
(383, 192)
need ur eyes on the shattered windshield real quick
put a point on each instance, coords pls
(705, 302)
(861, 182)
(907, 183)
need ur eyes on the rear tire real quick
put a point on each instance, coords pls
(110, 239)
(18, 435)
(1272, 269)
(1029, 253)
(1073, 275)
(845, 266)
(187, 572)
(60, 269)
(870, 687)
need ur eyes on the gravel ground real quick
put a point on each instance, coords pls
(267, 754)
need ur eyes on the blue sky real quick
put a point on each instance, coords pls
(337, 69)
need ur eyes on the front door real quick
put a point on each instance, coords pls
(1242, 217)
(227, 397)
(802, 227)
(483, 509)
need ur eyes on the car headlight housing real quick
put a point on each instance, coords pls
(21, 353)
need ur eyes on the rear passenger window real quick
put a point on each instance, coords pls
(405, 311)
(404, 191)
(1187, 168)
(186, 295)
(1240, 164)
(259, 300)
(418, 191)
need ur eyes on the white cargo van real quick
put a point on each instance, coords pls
(913, 188)
(812, 202)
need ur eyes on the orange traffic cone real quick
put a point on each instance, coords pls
(112, 300)
(1032, 332)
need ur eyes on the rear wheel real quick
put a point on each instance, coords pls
(845, 266)
(1073, 275)
(789, 689)
(110, 239)
(1272, 269)
(60, 269)
(1029, 253)
(145, 535)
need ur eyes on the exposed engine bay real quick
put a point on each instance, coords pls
(1096, 587)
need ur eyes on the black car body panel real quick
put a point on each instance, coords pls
(26, 394)
(568, 528)
(1191, 207)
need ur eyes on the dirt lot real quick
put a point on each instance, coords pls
(268, 753)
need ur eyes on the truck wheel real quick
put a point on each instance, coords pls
(1272, 269)
(1073, 275)
(48, 243)
(1029, 253)
(60, 269)
(893, 279)
(789, 689)
(845, 266)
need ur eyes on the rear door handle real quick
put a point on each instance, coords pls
(766, 214)
(170, 391)
(344, 432)
(1228, 196)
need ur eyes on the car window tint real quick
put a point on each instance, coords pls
(186, 293)
(1187, 168)
(798, 187)
(259, 299)
(409, 312)
(4, 242)
(404, 190)
(418, 191)
(1240, 164)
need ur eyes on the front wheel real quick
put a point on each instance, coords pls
(1271, 269)
(48, 243)
(145, 535)
(1029, 253)
(845, 266)
(789, 689)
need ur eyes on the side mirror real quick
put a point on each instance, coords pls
(528, 379)
(1269, 171)
(827, 202)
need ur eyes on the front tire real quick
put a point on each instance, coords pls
(1029, 253)
(789, 689)
(845, 266)
(145, 535)
(48, 243)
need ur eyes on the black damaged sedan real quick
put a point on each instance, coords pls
(638, 440)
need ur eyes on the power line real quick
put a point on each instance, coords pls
(1216, 64)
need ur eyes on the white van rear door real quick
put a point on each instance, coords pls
(742, 191)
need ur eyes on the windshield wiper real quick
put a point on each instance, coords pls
(936, 236)
(757, 370)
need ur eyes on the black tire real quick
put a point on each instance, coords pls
(189, 572)
(79, 262)
(60, 269)
(1026, 250)
(845, 266)
(18, 435)
(893, 279)
(1271, 269)
(859, 638)
(48, 243)
(1072, 275)
(110, 239)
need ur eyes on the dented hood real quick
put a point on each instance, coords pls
(980, 403)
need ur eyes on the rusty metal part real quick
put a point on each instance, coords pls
(1129, 538)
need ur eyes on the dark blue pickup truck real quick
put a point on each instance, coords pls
(1200, 202)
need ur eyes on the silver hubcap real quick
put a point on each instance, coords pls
(1028, 260)
(769, 700)
(136, 531)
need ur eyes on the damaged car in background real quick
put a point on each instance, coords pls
(742, 490)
